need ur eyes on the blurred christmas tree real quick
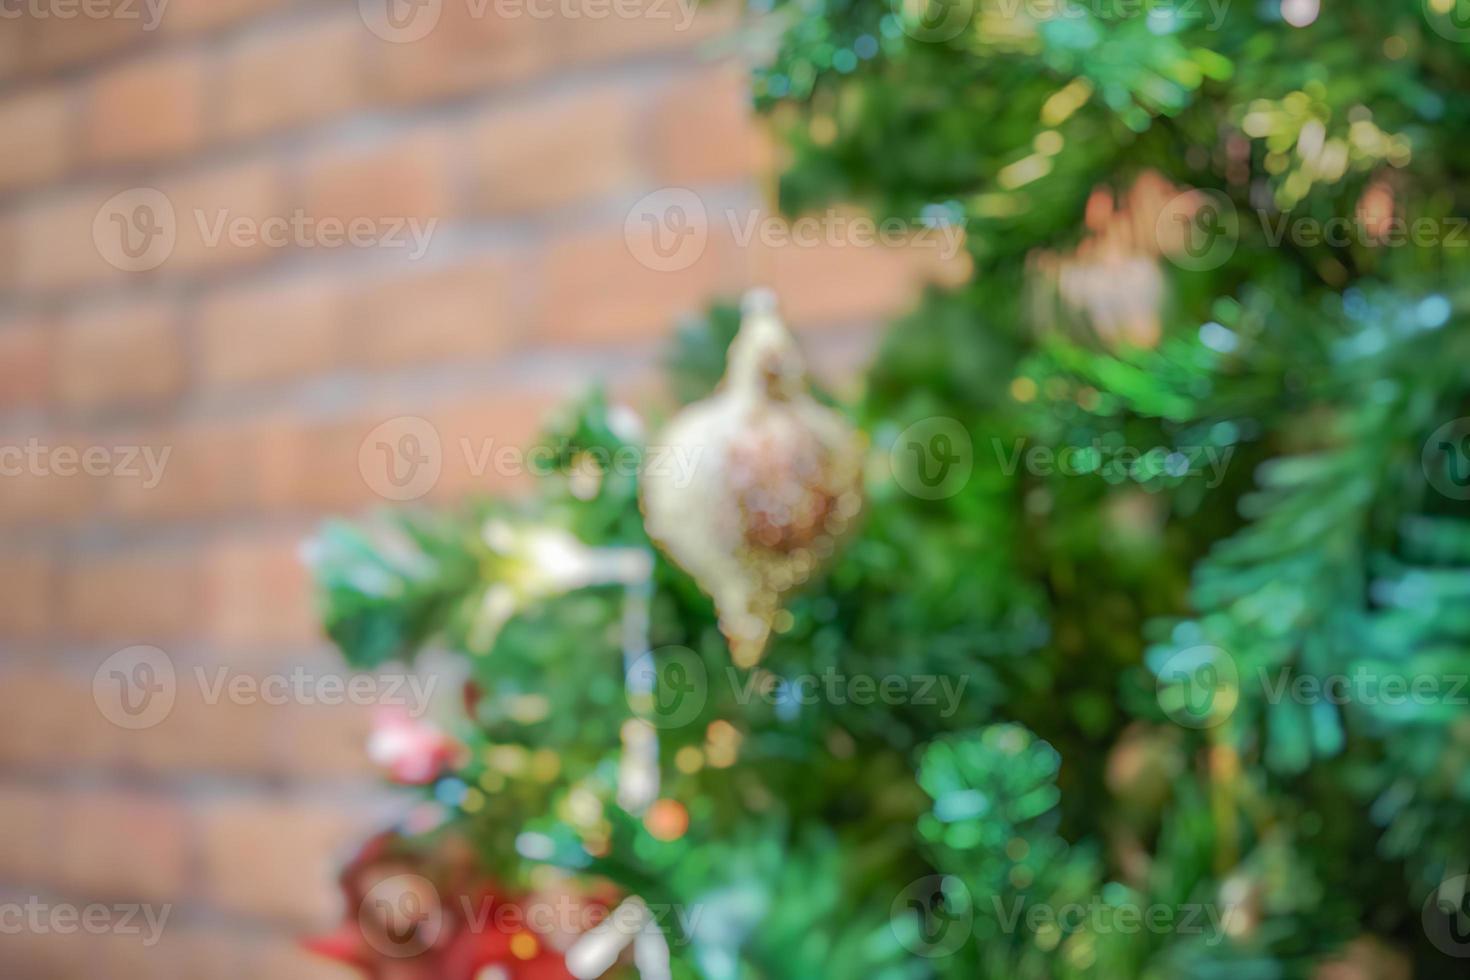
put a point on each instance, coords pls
(1160, 505)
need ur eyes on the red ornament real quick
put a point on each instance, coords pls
(411, 918)
(412, 751)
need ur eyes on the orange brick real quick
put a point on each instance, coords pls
(288, 78)
(12, 46)
(29, 817)
(56, 42)
(147, 109)
(283, 959)
(467, 310)
(461, 53)
(120, 355)
(40, 483)
(180, 953)
(258, 593)
(326, 741)
(27, 596)
(52, 246)
(851, 281)
(473, 430)
(267, 332)
(25, 364)
(50, 721)
(206, 731)
(658, 26)
(277, 860)
(554, 152)
(189, 472)
(320, 467)
(125, 846)
(190, 953)
(407, 177)
(134, 597)
(704, 130)
(35, 143)
(11, 226)
(599, 293)
(197, 16)
(313, 468)
(230, 215)
(46, 956)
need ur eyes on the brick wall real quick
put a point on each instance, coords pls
(261, 364)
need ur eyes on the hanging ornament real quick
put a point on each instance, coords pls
(413, 750)
(417, 916)
(1112, 283)
(775, 482)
